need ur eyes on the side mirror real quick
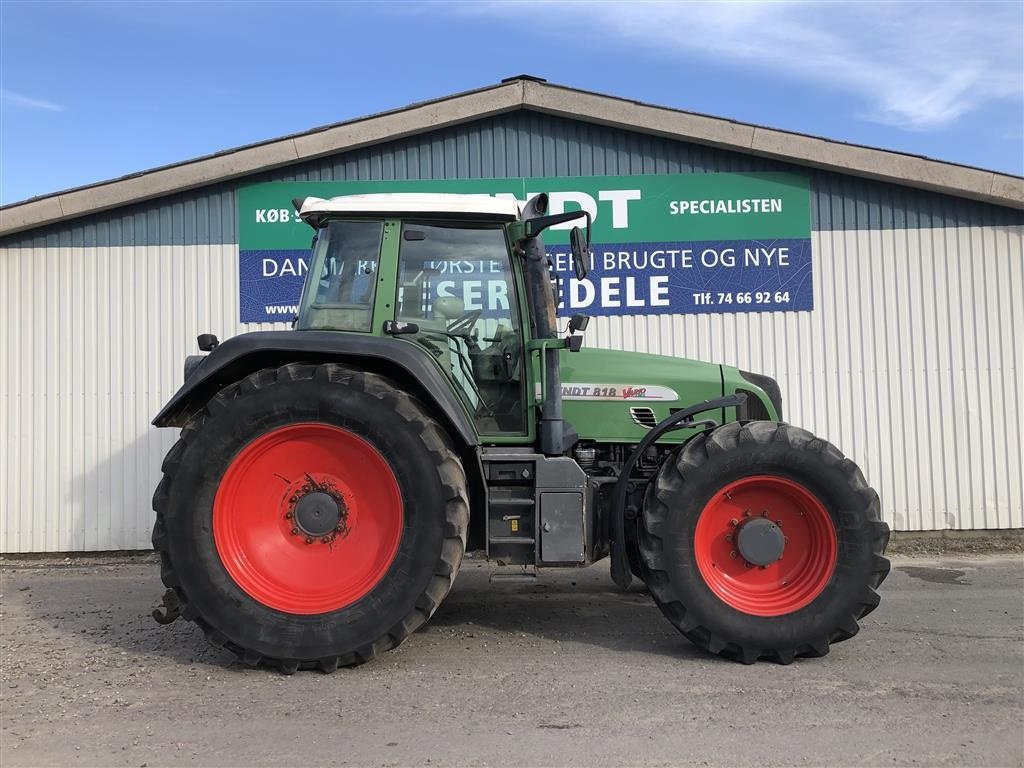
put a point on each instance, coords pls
(578, 323)
(207, 342)
(580, 252)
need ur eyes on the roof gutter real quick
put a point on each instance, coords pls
(519, 93)
(836, 156)
(265, 156)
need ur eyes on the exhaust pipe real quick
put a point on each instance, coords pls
(552, 439)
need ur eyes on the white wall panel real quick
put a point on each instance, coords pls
(911, 363)
(92, 345)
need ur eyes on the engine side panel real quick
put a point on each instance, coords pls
(611, 396)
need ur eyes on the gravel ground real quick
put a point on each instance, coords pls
(565, 671)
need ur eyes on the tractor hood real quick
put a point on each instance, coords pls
(612, 396)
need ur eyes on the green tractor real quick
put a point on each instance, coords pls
(328, 480)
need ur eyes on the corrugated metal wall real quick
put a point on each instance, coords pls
(912, 361)
(520, 143)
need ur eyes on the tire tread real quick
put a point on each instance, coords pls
(435, 440)
(670, 481)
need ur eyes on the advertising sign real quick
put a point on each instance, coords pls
(667, 244)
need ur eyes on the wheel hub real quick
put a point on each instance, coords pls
(760, 541)
(765, 545)
(317, 514)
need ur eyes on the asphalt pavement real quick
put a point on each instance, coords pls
(564, 671)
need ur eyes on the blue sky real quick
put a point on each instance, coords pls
(90, 91)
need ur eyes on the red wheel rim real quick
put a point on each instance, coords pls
(808, 556)
(286, 476)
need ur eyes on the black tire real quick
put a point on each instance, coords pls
(685, 484)
(433, 533)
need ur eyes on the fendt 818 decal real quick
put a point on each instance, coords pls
(631, 392)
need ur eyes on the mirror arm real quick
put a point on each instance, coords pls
(590, 223)
(535, 226)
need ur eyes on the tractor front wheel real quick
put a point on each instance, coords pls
(311, 516)
(760, 540)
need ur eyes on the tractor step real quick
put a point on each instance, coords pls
(511, 513)
(525, 575)
(512, 540)
(538, 509)
(510, 502)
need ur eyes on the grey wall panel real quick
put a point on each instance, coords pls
(516, 144)
(207, 216)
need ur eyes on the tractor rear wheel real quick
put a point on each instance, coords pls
(760, 540)
(311, 516)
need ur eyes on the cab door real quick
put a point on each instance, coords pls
(456, 284)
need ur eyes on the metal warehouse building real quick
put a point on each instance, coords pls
(911, 359)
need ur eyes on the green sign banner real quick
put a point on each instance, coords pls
(680, 243)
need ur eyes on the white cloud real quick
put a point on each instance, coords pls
(27, 102)
(914, 65)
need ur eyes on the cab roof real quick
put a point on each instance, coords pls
(314, 210)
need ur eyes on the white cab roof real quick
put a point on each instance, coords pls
(411, 202)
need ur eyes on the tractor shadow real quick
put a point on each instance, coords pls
(573, 606)
(107, 598)
(100, 609)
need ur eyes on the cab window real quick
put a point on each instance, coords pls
(344, 263)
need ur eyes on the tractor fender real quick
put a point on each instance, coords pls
(241, 355)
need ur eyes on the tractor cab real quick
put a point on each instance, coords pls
(449, 274)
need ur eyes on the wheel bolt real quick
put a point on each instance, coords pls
(763, 567)
(309, 539)
(764, 513)
(746, 513)
(728, 537)
(778, 523)
(288, 515)
(747, 565)
(734, 522)
(734, 554)
(295, 531)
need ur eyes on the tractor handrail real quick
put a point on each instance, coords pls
(678, 420)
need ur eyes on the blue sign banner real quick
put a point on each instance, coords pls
(269, 284)
(690, 278)
(624, 279)
(663, 244)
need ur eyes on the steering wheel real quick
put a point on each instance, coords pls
(463, 324)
